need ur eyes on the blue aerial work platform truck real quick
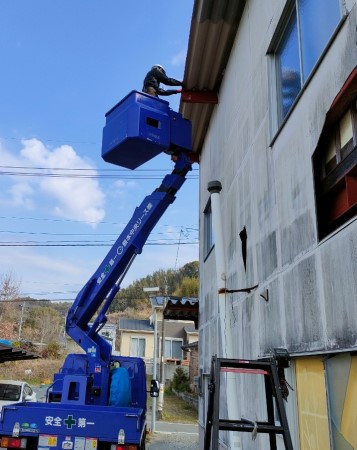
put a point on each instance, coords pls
(98, 400)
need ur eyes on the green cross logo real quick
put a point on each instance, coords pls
(69, 422)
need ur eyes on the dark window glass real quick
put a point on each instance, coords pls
(10, 392)
(310, 26)
(290, 66)
(318, 20)
(176, 349)
(208, 229)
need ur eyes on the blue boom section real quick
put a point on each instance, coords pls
(128, 140)
(128, 245)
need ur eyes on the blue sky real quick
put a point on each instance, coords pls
(65, 63)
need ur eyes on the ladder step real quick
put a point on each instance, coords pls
(273, 395)
(238, 425)
(245, 370)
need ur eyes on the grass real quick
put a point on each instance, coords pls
(42, 370)
(177, 410)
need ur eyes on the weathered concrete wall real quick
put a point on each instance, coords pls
(268, 189)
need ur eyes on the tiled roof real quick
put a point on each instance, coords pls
(135, 325)
(159, 300)
(9, 353)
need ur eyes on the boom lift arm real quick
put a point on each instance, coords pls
(137, 129)
(106, 281)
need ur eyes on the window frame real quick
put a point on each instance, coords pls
(274, 80)
(137, 338)
(171, 340)
(208, 235)
(335, 183)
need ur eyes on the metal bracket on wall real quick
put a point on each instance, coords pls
(265, 295)
(232, 291)
(207, 97)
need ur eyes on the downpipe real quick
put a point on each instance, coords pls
(214, 188)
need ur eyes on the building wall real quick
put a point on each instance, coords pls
(191, 337)
(268, 188)
(126, 340)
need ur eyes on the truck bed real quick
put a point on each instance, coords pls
(64, 423)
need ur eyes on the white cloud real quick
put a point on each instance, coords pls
(178, 59)
(41, 271)
(72, 198)
(20, 194)
(122, 184)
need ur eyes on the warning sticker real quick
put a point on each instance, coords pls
(91, 444)
(79, 443)
(46, 440)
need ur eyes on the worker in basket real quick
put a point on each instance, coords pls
(157, 75)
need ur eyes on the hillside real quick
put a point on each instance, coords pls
(39, 326)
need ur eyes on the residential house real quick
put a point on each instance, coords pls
(109, 332)
(137, 338)
(193, 371)
(282, 141)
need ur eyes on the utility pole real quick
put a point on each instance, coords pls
(162, 361)
(154, 361)
(21, 320)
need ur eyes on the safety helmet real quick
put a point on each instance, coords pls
(158, 66)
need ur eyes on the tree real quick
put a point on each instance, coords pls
(190, 270)
(9, 292)
(189, 287)
(44, 325)
(9, 287)
(169, 281)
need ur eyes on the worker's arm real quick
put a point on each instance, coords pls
(163, 78)
(168, 91)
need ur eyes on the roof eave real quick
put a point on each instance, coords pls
(213, 29)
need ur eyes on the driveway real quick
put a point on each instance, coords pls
(172, 441)
(175, 436)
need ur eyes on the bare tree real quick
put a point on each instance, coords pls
(44, 324)
(9, 287)
(9, 291)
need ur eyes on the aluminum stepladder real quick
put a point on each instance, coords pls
(273, 391)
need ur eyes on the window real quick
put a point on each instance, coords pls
(208, 229)
(137, 347)
(10, 392)
(304, 32)
(27, 392)
(173, 348)
(335, 163)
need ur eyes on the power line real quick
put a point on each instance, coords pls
(39, 219)
(94, 176)
(87, 169)
(88, 173)
(84, 244)
(45, 233)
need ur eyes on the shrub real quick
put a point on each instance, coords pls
(52, 351)
(180, 381)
